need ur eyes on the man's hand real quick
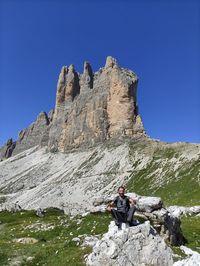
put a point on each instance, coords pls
(132, 202)
(110, 206)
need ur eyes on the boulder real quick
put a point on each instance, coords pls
(25, 240)
(134, 246)
(150, 208)
(90, 241)
(180, 210)
(149, 204)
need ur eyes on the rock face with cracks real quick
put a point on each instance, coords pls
(90, 108)
(7, 150)
(93, 107)
(134, 246)
(151, 208)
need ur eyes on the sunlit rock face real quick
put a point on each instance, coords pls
(90, 108)
(93, 107)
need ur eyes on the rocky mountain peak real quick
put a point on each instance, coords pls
(90, 108)
(111, 62)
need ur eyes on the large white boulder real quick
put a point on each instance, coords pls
(134, 246)
(181, 210)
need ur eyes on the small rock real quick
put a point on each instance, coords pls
(25, 240)
(40, 212)
(76, 239)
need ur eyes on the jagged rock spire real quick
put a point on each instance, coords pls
(72, 87)
(86, 81)
(67, 87)
(111, 62)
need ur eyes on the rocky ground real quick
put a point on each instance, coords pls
(37, 178)
(73, 181)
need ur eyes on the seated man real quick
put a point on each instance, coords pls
(125, 208)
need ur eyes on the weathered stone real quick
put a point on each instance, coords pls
(180, 210)
(90, 241)
(7, 150)
(89, 109)
(135, 246)
(67, 89)
(105, 108)
(40, 212)
(45, 135)
(149, 204)
(111, 62)
(33, 135)
(25, 240)
(143, 203)
(150, 208)
(86, 80)
(50, 115)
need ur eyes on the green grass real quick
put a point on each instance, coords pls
(55, 246)
(190, 226)
(176, 187)
(191, 230)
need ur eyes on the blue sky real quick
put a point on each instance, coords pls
(158, 40)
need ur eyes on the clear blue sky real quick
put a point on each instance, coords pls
(158, 40)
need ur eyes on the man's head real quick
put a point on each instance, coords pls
(121, 191)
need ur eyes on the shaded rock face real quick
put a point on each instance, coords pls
(35, 134)
(134, 246)
(91, 108)
(7, 150)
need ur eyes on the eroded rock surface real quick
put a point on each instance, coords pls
(33, 135)
(134, 246)
(90, 108)
(93, 107)
(7, 150)
(151, 208)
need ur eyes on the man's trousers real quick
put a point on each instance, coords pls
(120, 217)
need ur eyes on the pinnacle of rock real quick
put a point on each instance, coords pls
(90, 108)
(110, 62)
(86, 81)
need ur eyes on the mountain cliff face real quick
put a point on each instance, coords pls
(76, 156)
(90, 108)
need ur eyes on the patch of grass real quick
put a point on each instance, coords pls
(165, 153)
(55, 245)
(191, 229)
(177, 187)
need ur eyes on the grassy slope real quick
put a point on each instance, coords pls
(191, 229)
(167, 174)
(55, 246)
(176, 184)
